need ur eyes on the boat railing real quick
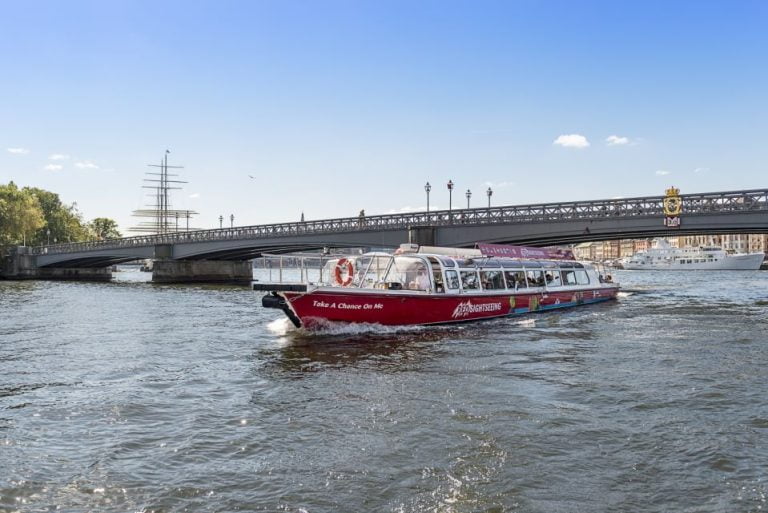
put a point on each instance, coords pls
(296, 268)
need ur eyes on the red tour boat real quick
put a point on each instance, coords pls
(431, 285)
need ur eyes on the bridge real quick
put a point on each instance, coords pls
(540, 224)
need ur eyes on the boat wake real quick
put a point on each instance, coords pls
(282, 327)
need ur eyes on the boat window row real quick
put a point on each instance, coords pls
(697, 260)
(521, 279)
(445, 274)
(484, 279)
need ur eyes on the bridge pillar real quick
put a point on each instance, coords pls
(166, 270)
(20, 265)
(421, 235)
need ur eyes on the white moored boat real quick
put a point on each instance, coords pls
(662, 256)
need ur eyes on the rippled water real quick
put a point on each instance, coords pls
(133, 397)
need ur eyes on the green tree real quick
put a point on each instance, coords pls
(35, 216)
(20, 215)
(104, 228)
(63, 223)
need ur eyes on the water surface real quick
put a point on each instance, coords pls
(129, 396)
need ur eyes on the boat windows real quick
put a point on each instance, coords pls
(448, 262)
(581, 277)
(492, 280)
(515, 279)
(552, 277)
(469, 280)
(437, 274)
(371, 270)
(535, 278)
(437, 278)
(408, 272)
(452, 279)
(568, 277)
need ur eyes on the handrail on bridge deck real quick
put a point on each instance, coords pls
(731, 201)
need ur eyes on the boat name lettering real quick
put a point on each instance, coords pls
(466, 308)
(348, 306)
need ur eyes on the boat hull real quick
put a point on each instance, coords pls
(321, 306)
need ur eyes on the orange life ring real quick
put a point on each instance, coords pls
(350, 272)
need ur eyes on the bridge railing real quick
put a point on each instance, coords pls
(721, 202)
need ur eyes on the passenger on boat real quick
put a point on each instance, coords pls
(421, 282)
(515, 279)
(438, 277)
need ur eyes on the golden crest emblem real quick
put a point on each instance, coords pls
(533, 304)
(673, 203)
(511, 303)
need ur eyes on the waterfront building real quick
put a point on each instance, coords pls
(758, 242)
(737, 242)
(584, 251)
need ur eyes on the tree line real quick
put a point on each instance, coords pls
(30, 216)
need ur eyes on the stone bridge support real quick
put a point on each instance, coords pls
(168, 270)
(422, 235)
(20, 265)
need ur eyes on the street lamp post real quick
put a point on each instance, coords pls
(177, 222)
(468, 195)
(231, 220)
(489, 192)
(48, 233)
(221, 221)
(427, 188)
(450, 196)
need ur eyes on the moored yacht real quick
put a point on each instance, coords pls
(431, 285)
(662, 256)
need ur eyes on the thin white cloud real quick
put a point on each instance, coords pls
(662, 172)
(701, 170)
(409, 209)
(499, 185)
(53, 167)
(615, 140)
(86, 164)
(18, 151)
(58, 156)
(572, 141)
(195, 195)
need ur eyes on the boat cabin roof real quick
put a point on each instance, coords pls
(486, 262)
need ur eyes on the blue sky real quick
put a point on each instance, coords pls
(338, 106)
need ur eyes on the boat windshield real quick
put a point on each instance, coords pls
(407, 272)
(371, 270)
